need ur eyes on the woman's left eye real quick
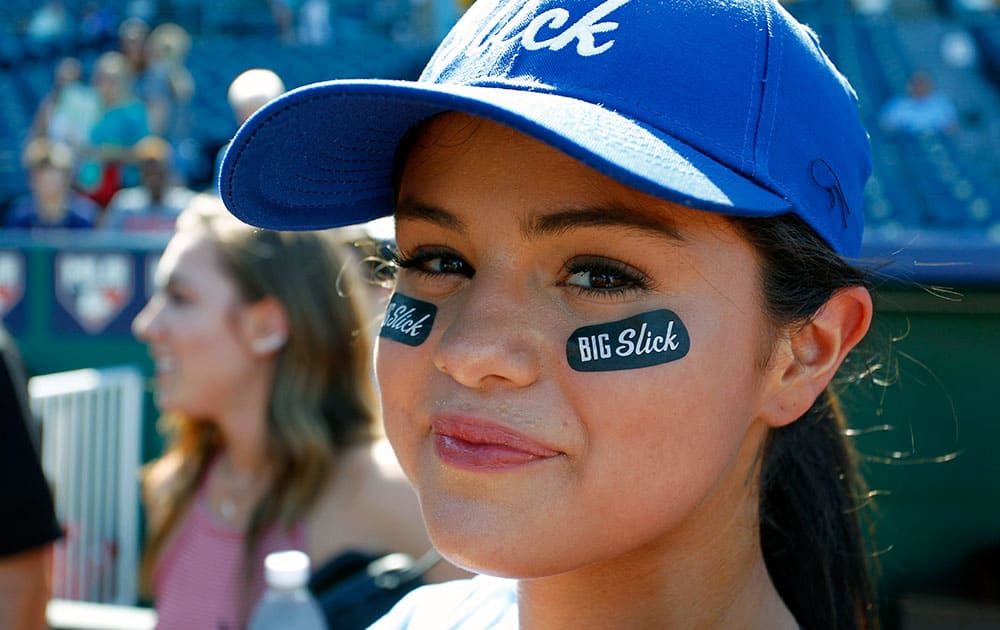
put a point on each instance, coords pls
(435, 262)
(603, 276)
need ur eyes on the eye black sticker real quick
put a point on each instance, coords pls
(408, 320)
(643, 340)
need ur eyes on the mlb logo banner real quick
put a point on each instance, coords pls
(13, 279)
(95, 292)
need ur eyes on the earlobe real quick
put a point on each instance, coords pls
(268, 327)
(817, 350)
(271, 343)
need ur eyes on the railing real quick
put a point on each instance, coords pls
(65, 614)
(91, 441)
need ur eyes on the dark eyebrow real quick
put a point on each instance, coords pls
(556, 223)
(432, 214)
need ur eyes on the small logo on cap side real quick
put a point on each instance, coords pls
(822, 173)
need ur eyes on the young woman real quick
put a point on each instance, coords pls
(263, 372)
(622, 298)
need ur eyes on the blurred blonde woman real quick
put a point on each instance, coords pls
(263, 374)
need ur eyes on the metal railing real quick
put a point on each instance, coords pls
(91, 423)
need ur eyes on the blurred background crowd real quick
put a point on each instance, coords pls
(114, 115)
(97, 78)
(102, 96)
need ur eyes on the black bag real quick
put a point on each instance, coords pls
(355, 589)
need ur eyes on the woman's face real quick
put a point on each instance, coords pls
(196, 329)
(525, 466)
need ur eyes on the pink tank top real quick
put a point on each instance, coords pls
(197, 582)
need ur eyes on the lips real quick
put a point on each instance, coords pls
(164, 365)
(478, 445)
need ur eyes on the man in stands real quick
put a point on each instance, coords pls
(923, 109)
(155, 203)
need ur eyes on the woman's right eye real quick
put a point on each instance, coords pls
(435, 262)
(173, 295)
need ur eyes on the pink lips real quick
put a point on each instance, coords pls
(473, 444)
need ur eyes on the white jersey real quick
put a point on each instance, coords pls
(479, 603)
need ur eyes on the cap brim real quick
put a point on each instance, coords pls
(322, 155)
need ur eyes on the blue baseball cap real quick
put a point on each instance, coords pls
(728, 106)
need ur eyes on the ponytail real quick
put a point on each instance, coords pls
(810, 525)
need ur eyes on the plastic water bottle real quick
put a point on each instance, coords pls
(287, 603)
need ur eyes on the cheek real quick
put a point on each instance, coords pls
(675, 435)
(671, 433)
(400, 371)
(213, 355)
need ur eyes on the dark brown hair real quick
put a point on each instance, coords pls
(811, 516)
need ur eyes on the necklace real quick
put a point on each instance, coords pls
(234, 492)
(227, 508)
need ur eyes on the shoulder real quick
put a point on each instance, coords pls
(386, 494)
(158, 478)
(479, 603)
(378, 491)
(369, 506)
(372, 504)
(383, 475)
(84, 208)
(126, 201)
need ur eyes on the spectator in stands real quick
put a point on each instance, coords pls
(283, 14)
(132, 35)
(68, 112)
(314, 27)
(52, 203)
(923, 109)
(28, 525)
(49, 24)
(263, 371)
(168, 86)
(107, 158)
(152, 206)
(247, 93)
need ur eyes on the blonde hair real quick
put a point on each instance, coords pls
(114, 66)
(169, 41)
(322, 398)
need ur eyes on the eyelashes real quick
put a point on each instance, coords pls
(588, 275)
(433, 261)
(597, 275)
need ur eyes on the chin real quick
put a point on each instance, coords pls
(165, 403)
(492, 540)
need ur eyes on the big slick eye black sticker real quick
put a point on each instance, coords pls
(408, 320)
(643, 340)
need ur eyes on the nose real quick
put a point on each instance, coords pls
(491, 340)
(146, 322)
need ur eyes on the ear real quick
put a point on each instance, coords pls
(811, 356)
(266, 326)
